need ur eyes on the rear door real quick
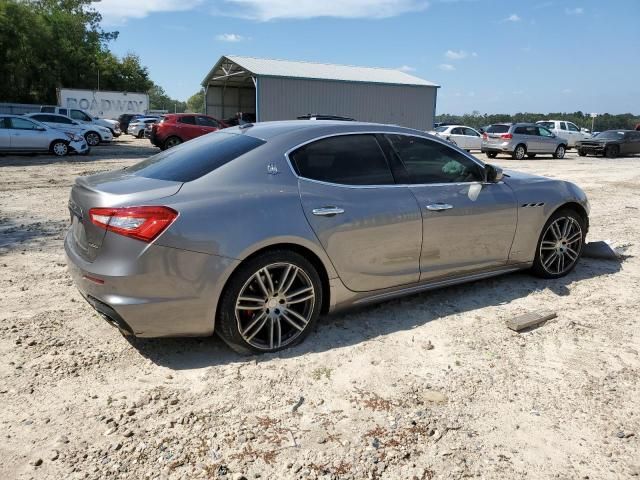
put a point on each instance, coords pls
(468, 224)
(187, 128)
(370, 227)
(28, 135)
(457, 136)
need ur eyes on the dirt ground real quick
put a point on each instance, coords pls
(429, 386)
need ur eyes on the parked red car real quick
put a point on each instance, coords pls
(175, 128)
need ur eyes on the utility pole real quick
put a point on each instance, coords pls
(593, 120)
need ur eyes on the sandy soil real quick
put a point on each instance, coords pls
(429, 386)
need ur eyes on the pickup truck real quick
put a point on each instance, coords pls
(84, 117)
(567, 130)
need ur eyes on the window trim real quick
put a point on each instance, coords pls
(393, 185)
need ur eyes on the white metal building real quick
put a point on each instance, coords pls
(284, 90)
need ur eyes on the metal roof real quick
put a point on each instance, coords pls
(318, 71)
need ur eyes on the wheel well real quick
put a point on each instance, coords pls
(579, 209)
(522, 144)
(309, 255)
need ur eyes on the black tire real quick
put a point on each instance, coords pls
(92, 138)
(141, 134)
(612, 151)
(560, 151)
(545, 267)
(519, 152)
(492, 154)
(171, 142)
(531, 155)
(228, 321)
(582, 152)
(59, 148)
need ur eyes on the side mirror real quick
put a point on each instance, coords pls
(493, 174)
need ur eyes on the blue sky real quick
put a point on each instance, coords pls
(494, 56)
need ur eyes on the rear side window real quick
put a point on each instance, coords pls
(529, 130)
(498, 129)
(187, 120)
(206, 121)
(196, 158)
(345, 160)
(23, 124)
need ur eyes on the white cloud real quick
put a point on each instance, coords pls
(406, 69)
(446, 67)
(266, 10)
(513, 18)
(456, 54)
(117, 12)
(574, 11)
(230, 37)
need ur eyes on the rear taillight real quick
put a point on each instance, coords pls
(141, 223)
(485, 136)
(506, 136)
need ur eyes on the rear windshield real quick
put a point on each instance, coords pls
(196, 158)
(498, 129)
(611, 134)
(441, 129)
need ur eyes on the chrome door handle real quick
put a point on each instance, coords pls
(437, 207)
(327, 211)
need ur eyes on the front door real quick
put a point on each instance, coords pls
(548, 141)
(468, 224)
(370, 227)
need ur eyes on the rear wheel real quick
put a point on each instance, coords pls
(560, 151)
(611, 151)
(519, 152)
(172, 142)
(59, 148)
(92, 139)
(560, 244)
(492, 154)
(270, 303)
(531, 155)
(141, 134)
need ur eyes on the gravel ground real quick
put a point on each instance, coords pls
(429, 386)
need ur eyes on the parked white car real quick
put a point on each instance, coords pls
(567, 130)
(136, 127)
(466, 138)
(84, 117)
(93, 134)
(19, 134)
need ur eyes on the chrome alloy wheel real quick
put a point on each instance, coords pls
(520, 152)
(561, 245)
(274, 306)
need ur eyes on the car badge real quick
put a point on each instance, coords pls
(272, 169)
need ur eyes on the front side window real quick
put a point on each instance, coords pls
(23, 124)
(427, 161)
(471, 132)
(187, 120)
(572, 127)
(345, 160)
(62, 111)
(61, 119)
(80, 115)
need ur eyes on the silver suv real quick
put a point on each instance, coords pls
(520, 140)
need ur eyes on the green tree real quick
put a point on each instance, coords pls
(159, 100)
(195, 103)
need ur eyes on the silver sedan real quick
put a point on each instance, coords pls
(255, 231)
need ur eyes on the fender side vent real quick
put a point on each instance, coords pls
(528, 205)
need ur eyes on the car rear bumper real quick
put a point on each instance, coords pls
(151, 291)
(496, 148)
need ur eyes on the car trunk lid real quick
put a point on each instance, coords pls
(113, 189)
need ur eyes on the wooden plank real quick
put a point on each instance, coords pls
(530, 319)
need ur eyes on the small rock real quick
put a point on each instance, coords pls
(36, 462)
(54, 455)
(131, 411)
(128, 434)
(173, 401)
(110, 431)
(62, 439)
(429, 345)
(239, 476)
(434, 396)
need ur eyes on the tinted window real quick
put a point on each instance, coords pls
(498, 129)
(347, 160)
(62, 111)
(79, 115)
(206, 121)
(432, 162)
(611, 134)
(547, 124)
(526, 130)
(471, 132)
(441, 129)
(60, 119)
(23, 124)
(4, 122)
(196, 158)
(572, 127)
(151, 120)
(563, 126)
(188, 120)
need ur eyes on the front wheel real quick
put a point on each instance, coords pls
(270, 303)
(59, 148)
(560, 151)
(560, 244)
(492, 154)
(582, 152)
(92, 138)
